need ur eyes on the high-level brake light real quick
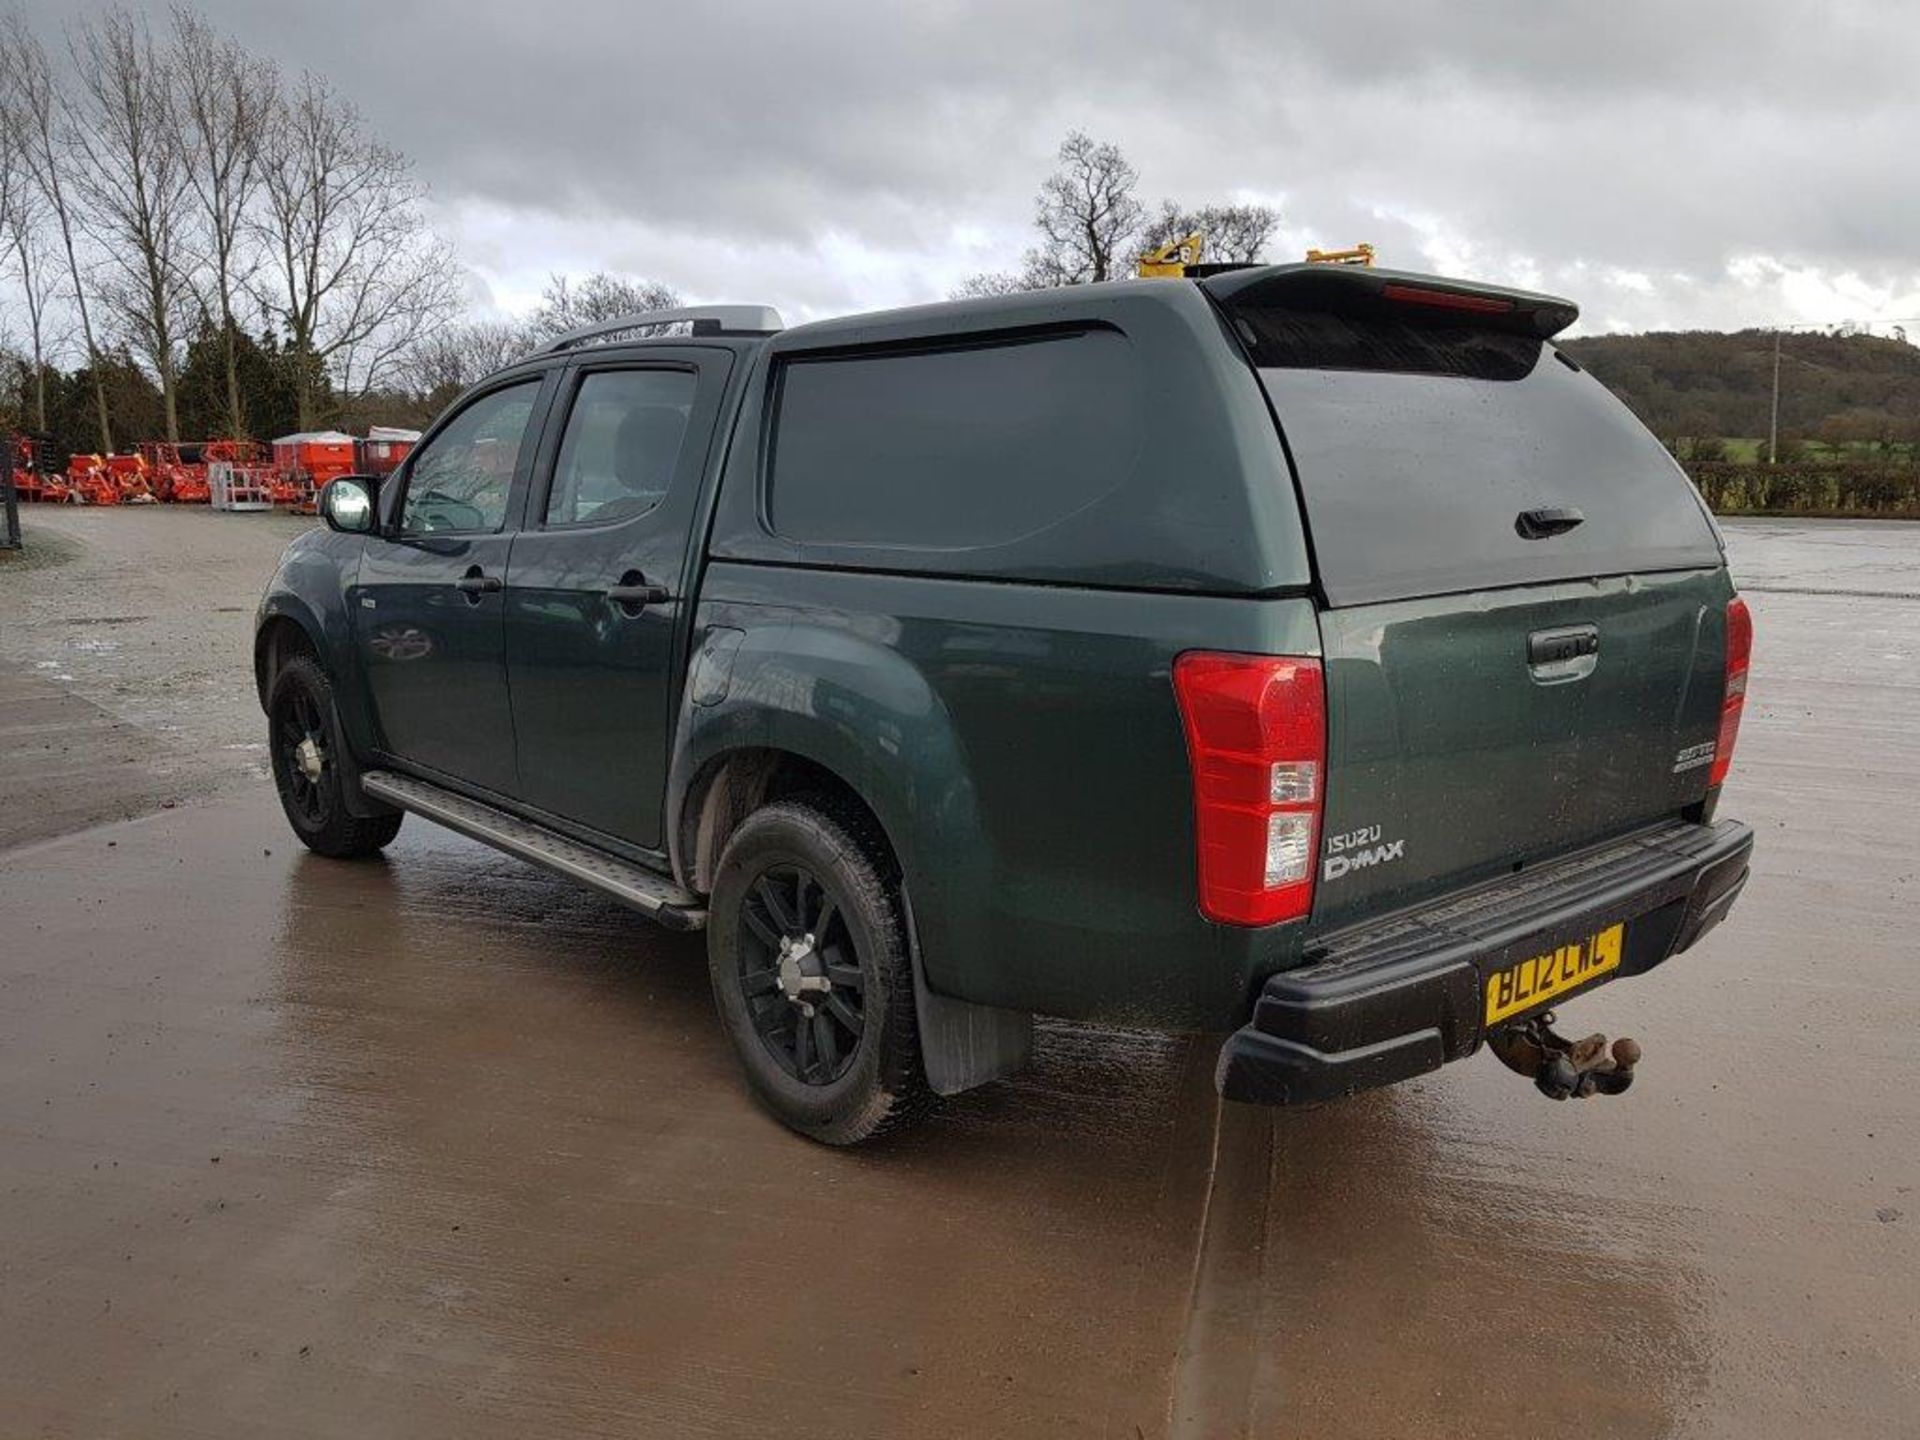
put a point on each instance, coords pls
(1446, 299)
(1256, 740)
(1733, 698)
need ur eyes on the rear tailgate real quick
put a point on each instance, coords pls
(1525, 629)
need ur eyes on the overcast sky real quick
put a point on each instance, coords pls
(1665, 163)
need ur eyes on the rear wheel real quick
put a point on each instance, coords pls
(305, 747)
(808, 955)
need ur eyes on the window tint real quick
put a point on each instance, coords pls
(621, 445)
(1328, 340)
(1420, 446)
(952, 449)
(461, 479)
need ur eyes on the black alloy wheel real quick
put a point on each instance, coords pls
(800, 975)
(305, 748)
(812, 970)
(303, 763)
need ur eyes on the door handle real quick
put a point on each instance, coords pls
(474, 584)
(1547, 521)
(634, 593)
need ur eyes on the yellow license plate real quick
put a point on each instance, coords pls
(1542, 977)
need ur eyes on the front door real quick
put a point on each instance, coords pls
(428, 602)
(596, 589)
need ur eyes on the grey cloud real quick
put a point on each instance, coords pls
(1576, 143)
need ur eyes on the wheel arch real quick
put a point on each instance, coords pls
(802, 710)
(281, 636)
(287, 629)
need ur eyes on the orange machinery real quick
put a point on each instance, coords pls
(108, 480)
(306, 462)
(180, 471)
(132, 478)
(384, 448)
(30, 479)
(88, 483)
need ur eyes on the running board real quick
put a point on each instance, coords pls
(631, 884)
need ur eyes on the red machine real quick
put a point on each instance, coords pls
(88, 483)
(132, 477)
(30, 479)
(171, 474)
(234, 452)
(306, 462)
(383, 449)
(179, 472)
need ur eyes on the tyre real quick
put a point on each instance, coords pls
(304, 743)
(811, 974)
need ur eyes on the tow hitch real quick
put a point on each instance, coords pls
(1563, 1069)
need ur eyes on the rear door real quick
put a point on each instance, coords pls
(1526, 600)
(597, 588)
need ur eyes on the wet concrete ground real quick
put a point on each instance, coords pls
(440, 1145)
(125, 640)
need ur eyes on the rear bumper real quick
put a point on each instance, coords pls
(1401, 996)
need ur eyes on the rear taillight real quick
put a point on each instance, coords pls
(1733, 699)
(1257, 742)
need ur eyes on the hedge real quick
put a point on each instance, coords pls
(1808, 488)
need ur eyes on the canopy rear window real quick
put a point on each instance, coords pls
(1421, 444)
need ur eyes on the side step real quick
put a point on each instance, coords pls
(631, 884)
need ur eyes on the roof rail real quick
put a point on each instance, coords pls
(705, 319)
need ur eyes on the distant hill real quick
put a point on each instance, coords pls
(1839, 389)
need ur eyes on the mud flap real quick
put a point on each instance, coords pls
(353, 795)
(962, 1044)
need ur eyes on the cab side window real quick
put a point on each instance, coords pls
(461, 479)
(621, 445)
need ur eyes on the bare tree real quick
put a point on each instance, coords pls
(566, 304)
(455, 356)
(1235, 234)
(35, 112)
(132, 178)
(350, 271)
(223, 98)
(989, 283)
(1091, 226)
(1086, 213)
(23, 216)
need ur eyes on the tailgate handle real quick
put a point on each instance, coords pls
(1569, 653)
(1547, 521)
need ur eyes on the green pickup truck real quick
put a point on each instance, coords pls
(1310, 654)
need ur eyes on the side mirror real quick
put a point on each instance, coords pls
(347, 504)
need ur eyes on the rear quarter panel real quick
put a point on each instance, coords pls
(1022, 748)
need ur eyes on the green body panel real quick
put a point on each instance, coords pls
(1207, 504)
(309, 591)
(1007, 710)
(433, 659)
(1441, 735)
(1023, 749)
(593, 684)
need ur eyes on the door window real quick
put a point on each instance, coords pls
(621, 444)
(460, 479)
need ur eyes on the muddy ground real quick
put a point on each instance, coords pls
(441, 1145)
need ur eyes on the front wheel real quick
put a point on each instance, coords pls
(305, 746)
(808, 955)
